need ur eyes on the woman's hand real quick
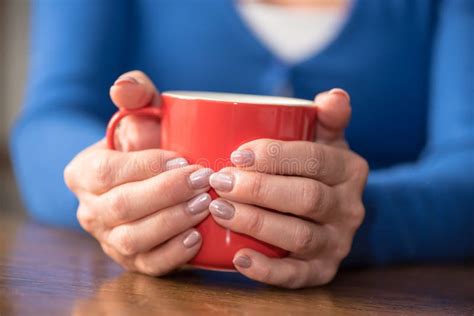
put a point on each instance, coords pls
(141, 206)
(315, 190)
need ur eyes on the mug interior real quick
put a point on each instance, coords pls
(238, 98)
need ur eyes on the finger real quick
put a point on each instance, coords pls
(334, 114)
(294, 158)
(134, 200)
(134, 90)
(283, 272)
(124, 262)
(287, 232)
(74, 171)
(146, 233)
(303, 197)
(137, 133)
(86, 218)
(98, 170)
(171, 255)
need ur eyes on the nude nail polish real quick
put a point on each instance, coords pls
(176, 163)
(200, 179)
(341, 92)
(242, 157)
(124, 80)
(222, 209)
(222, 181)
(242, 262)
(192, 239)
(199, 204)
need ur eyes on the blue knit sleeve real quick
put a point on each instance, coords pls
(77, 49)
(425, 210)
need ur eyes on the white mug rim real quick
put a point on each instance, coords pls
(238, 98)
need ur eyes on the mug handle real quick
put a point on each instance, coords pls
(153, 112)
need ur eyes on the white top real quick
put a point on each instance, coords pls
(293, 34)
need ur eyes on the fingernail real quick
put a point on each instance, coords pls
(124, 80)
(199, 203)
(222, 209)
(200, 179)
(192, 239)
(222, 181)
(341, 92)
(242, 262)
(242, 157)
(176, 163)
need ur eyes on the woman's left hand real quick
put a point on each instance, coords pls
(301, 196)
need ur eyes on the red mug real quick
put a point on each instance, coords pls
(205, 127)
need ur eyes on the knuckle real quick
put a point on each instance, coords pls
(312, 197)
(319, 158)
(272, 148)
(168, 185)
(327, 275)
(119, 259)
(363, 165)
(126, 266)
(258, 188)
(85, 218)
(123, 241)
(117, 206)
(102, 170)
(269, 153)
(292, 280)
(261, 146)
(145, 162)
(304, 239)
(68, 175)
(107, 250)
(168, 189)
(266, 274)
(255, 223)
(167, 222)
(361, 169)
(356, 216)
(154, 166)
(342, 250)
(71, 172)
(134, 160)
(147, 267)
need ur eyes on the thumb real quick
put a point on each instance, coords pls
(134, 90)
(334, 114)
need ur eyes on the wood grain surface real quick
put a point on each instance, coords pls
(50, 271)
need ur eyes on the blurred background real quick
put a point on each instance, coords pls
(14, 20)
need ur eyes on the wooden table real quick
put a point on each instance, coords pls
(48, 271)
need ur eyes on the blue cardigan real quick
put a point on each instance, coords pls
(408, 65)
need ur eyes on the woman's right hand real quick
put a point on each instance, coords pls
(140, 205)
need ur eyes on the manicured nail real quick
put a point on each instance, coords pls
(222, 181)
(200, 179)
(199, 203)
(222, 209)
(341, 92)
(176, 163)
(242, 262)
(242, 157)
(192, 239)
(124, 80)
